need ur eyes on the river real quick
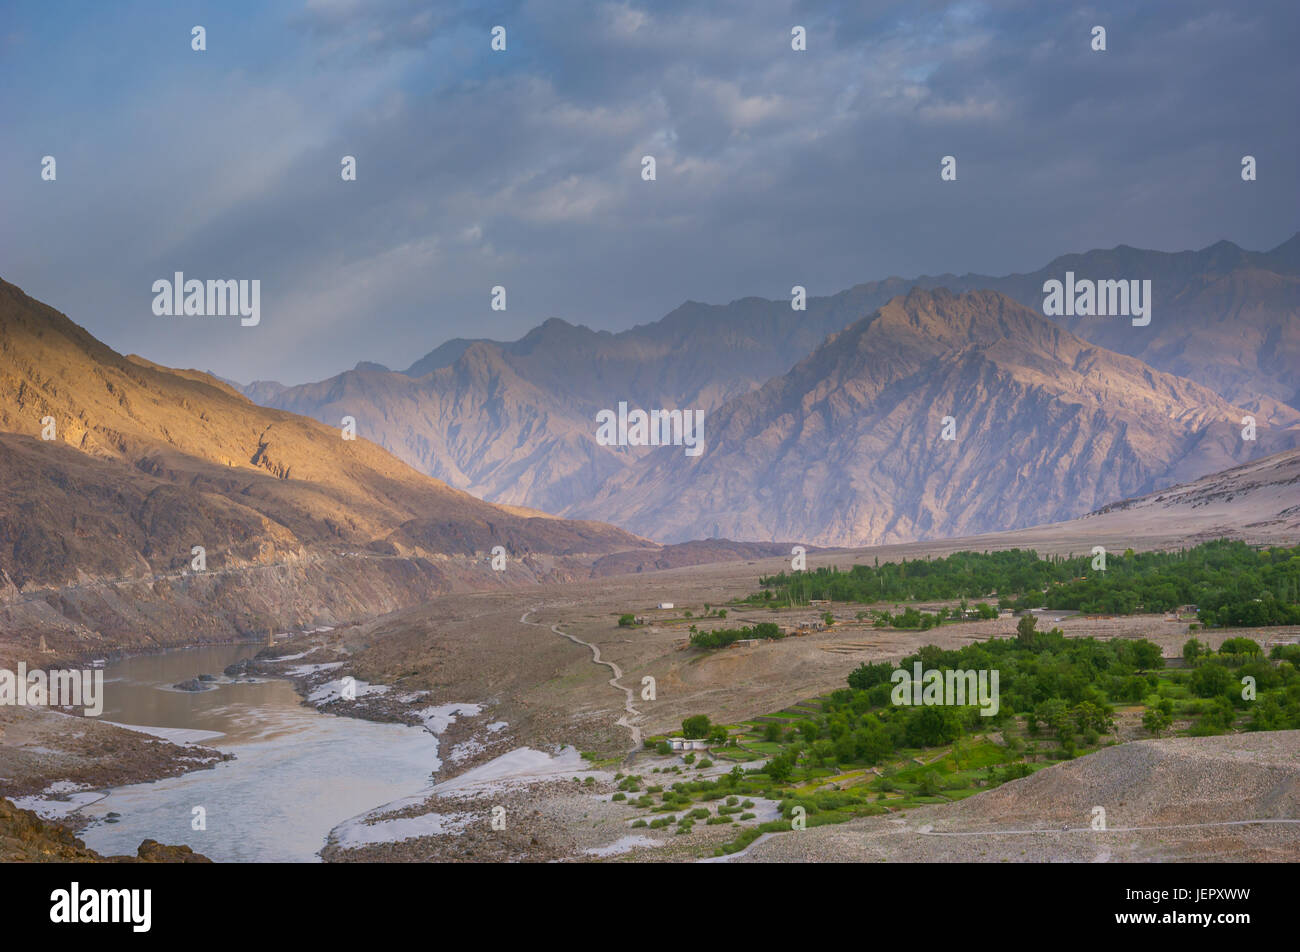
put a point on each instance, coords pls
(297, 773)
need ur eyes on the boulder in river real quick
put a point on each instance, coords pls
(207, 677)
(193, 684)
(238, 669)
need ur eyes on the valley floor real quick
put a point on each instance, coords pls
(524, 712)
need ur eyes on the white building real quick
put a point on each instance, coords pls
(665, 604)
(681, 744)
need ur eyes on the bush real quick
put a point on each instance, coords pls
(1156, 720)
(696, 727)
(928, 784)
(1210, 680)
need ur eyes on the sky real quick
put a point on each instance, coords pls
(522, 168)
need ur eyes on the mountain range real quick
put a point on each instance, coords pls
(850, 457)
(113, 469)
(849, 444)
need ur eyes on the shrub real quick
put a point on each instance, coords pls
(928, 784)
(696, 727)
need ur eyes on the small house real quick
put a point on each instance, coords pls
(665, 604)
(687, 744)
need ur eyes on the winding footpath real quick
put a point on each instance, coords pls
(631, 712)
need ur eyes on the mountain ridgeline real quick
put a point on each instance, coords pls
(848, 447)
(822, 425)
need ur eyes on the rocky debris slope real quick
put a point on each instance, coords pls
(1186, 799)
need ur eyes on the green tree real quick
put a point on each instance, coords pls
(696, 726)
(1240, 646)
(928, 785)
(1027, 631)
(780, 767)
(1210, 680)
(1145, 654)
(869, 674)
(932, 726)
(1156, 720)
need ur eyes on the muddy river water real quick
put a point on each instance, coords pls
(296, 775)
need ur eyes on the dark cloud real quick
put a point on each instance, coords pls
(523, 168)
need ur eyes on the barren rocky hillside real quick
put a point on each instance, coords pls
(97, 525)
(847, 448)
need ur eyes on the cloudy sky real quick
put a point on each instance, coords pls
(522, 168)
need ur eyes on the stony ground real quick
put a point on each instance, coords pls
(1176, 800)
(39, 746)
